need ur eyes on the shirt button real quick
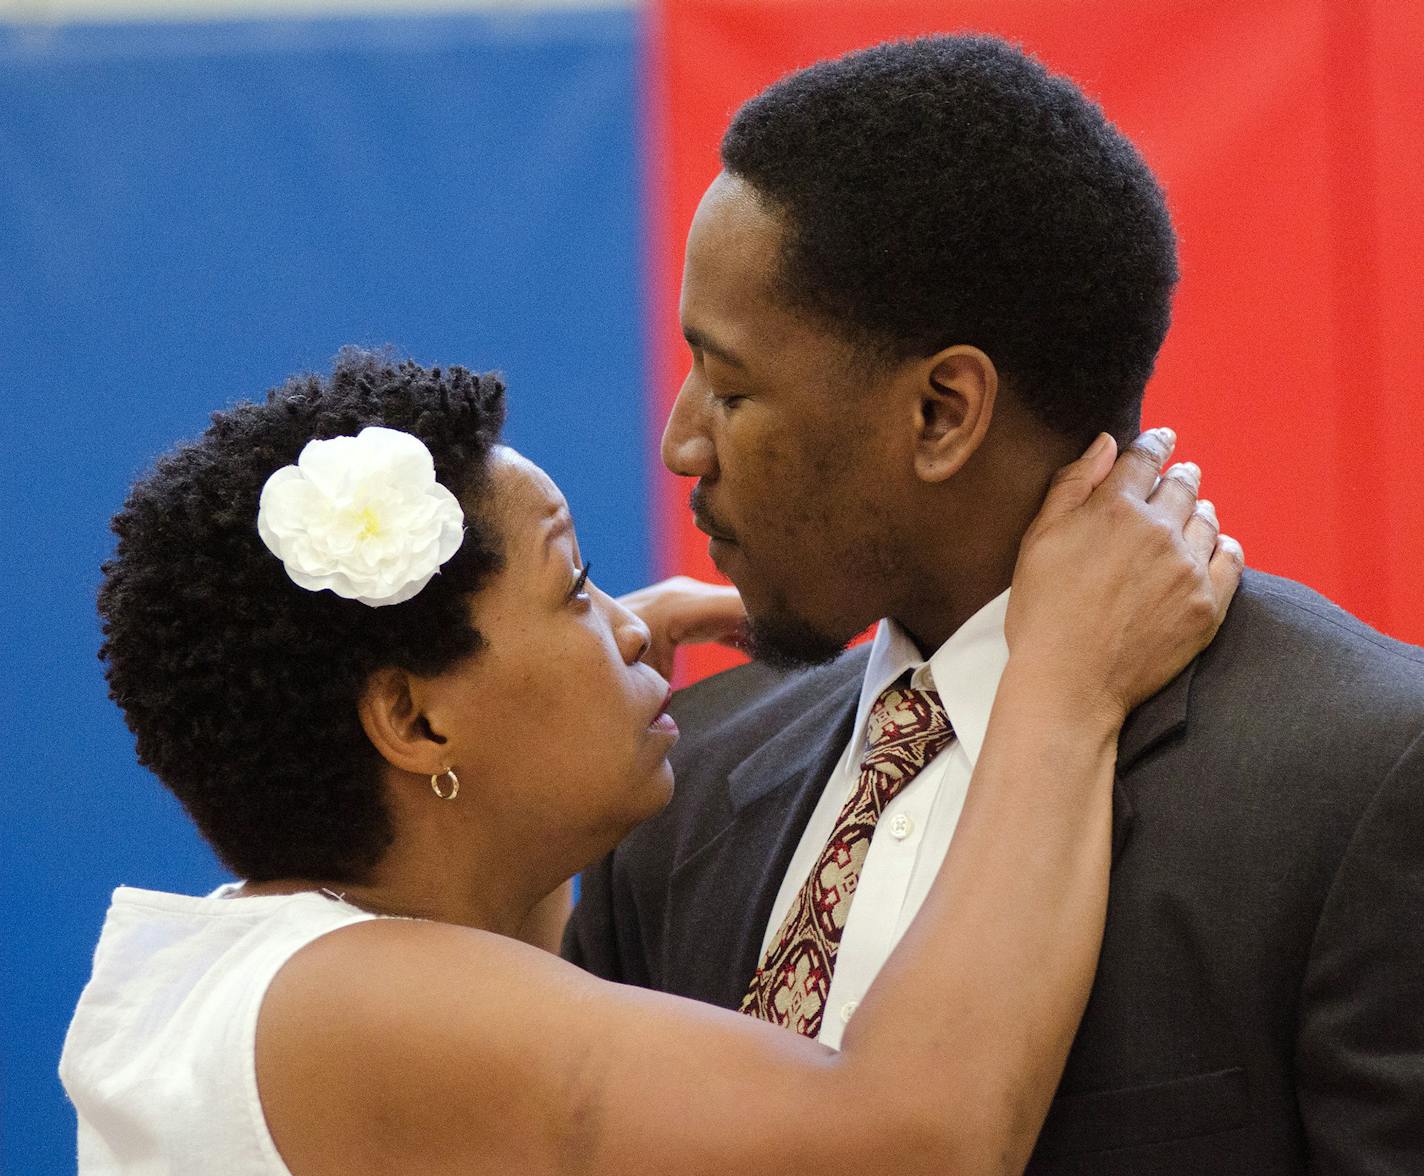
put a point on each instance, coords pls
(848, 1010)
(901, 826)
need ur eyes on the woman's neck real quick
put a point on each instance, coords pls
(415, 892)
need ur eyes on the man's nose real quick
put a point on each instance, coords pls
(687, 448)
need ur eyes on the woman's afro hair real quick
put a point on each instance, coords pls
(240, 687)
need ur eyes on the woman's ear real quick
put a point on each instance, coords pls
(391, 716)
(956, 404)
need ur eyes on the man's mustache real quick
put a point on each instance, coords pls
(705, 520)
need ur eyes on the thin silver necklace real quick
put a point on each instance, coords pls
(340, 896)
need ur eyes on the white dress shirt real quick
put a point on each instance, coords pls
(914, 831)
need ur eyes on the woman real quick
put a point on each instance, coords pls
(403, 764)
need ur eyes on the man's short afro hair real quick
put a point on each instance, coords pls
(950, 190)
(241, 687)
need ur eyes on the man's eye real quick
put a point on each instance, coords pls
(581, 582)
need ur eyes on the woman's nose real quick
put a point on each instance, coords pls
(634, 636)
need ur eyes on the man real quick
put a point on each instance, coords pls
(928, 274)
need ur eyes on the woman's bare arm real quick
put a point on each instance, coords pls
(683, 611)
(423, 1047)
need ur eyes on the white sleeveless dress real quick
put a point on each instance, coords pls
(159, 1059)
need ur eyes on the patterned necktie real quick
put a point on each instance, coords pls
(907, 729)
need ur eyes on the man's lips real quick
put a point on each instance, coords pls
(702, 520)
(710, 531)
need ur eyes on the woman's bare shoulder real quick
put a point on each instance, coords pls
(369, 1035)
(419, 1047)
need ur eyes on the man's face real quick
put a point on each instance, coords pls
(798, 460)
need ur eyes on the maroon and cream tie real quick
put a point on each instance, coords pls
(907, 728)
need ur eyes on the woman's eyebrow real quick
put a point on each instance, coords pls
(563, 523)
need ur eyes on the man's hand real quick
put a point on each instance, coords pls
(682, 611)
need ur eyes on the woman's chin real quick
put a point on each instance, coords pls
(643, 799)
(654, 792)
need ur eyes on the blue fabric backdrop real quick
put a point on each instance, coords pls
(187, 215)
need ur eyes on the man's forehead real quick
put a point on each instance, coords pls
(730, 195)
(731, 306)
(733, 239)
(727, 304)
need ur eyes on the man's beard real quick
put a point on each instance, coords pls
(786, 642)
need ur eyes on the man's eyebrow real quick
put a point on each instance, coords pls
(700, 342)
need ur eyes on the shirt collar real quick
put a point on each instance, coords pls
(965, 670)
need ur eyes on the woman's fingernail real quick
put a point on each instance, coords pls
(1207, 508)
(1168, 436)
(1097, 447)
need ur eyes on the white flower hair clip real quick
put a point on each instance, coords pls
(362, 516)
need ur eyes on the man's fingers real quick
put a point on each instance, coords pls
(1201, 531)
(1141, 462)
(1176, 494)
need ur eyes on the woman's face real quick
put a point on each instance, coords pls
(562, 735)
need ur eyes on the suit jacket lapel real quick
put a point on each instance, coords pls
(1160, 718)
(720, 895)
(721, 892)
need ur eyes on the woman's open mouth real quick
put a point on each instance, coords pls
(662, 721)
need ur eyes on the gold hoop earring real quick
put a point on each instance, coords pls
(454, 784)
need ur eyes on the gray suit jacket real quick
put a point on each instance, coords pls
(1259, 1005)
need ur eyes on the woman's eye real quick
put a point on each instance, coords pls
(578, 589)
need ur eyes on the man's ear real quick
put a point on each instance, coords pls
(956, 403)
(391, 716)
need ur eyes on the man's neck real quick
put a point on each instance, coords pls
(969, 561)
(934, 624)
(958, 579)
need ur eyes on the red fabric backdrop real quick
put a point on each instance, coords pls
(1288, 136)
